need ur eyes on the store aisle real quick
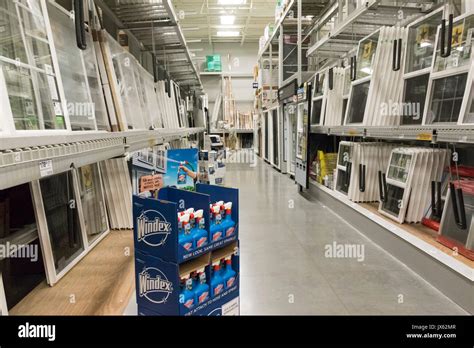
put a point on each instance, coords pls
(286, 268)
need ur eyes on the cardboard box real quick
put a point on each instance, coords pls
(158, 285)
(155, 222)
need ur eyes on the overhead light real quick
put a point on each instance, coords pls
(232, 2)
(228, 33)
(227, 20)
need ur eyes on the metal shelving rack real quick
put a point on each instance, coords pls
(362, 21)
(22, 157)
(156, 26)
(449, 134)
(334, 40)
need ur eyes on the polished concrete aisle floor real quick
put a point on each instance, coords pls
(284, 264)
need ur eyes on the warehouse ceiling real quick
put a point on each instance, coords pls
(203, 20)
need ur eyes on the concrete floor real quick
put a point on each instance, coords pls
(284, 269)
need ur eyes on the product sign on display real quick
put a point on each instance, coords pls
(151, 182)
(182, 168)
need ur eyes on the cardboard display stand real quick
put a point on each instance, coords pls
(161, 262)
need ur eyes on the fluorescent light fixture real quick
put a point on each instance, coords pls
(227, 20)
(232, 2)
(228, 33)
(367, 70)
(424, 44)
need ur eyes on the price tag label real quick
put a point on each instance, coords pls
(425, 136)
(46, 168)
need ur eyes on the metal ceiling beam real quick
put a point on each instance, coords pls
(247, 23)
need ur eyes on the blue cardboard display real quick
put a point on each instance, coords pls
(212, 309)
(155, 224)
(158, 287)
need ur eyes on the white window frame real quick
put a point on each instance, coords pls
(3, 298)
(322, 97)
(341, 167)
(405, 186)
(271, 137)
(446, 210)
(52, 275)
(8, 126)
(80, 52)
(357, 82)
(413, 74)
(448, 73)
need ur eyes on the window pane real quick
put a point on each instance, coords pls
(421, 43)
(358, 103)
(343, 181)
(447, 98)
(22, 272)
(33, 94)
(399, 167)
(415, 96)
(394, 199)
(461, 46)
(366, 55)
(93, 204)
(450, 228)
(80, 107)
(62, 218)
(316, 112)
(95, 86)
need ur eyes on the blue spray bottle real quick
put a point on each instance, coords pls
(216, 230)
(185, 239)
(201, 293)
(200, 235)
(182, 176)
(229, 274)
(186, 298)
(180, 225)
(229, 224)
(217, 283)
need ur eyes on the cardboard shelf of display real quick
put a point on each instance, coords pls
(194, 288)
(164, 227)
